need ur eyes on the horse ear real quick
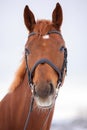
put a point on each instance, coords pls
(29, 18)
(57, 16)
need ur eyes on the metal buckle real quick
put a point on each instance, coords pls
(57, 90)
(32, 87)
(59, 84)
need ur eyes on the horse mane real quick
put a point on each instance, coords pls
(19, 76)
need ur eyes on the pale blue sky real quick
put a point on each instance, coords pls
(13, 36)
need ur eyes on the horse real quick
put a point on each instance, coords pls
(30, 102)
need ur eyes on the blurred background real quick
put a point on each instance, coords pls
(71, 104)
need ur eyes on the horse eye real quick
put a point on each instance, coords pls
(62, 48)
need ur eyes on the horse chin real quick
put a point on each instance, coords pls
(46, 103)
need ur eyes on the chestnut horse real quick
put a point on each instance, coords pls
(29, 104)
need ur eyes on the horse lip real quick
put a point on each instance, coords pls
(45, 104)
(46, 107)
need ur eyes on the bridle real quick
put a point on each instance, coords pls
(59, 72)
(44, 60)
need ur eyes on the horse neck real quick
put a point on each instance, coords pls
(15, 107)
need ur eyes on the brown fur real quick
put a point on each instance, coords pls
(15, 106)
(41, 28)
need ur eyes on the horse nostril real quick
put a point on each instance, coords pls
(44, 90)
(51, 88)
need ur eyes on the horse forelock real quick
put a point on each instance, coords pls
(43, 26)
(19, 76)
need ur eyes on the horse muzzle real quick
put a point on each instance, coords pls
(45, 94)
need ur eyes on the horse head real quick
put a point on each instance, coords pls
(45, 56)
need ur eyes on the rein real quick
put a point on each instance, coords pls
(31, 73)
(30, 110)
